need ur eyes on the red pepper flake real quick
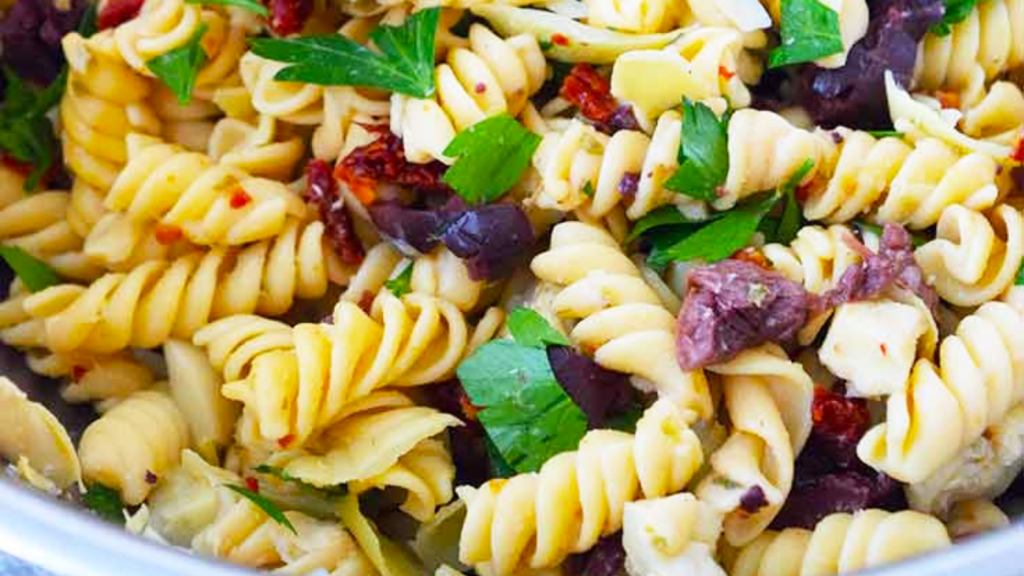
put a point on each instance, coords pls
(239, 198)
(468, 409)
(322, 190)
(948, 99)
(884, 350)
(252, 484)
(754, 256)
(366, 301)
(1018, 150)
(590, 92)
(117, 12)
(150, 478)
(22, 168)
(288, 17)
(78, 372)
(286, 440)
(167, 234)
(725, 73)
(803, 193)
(480, 87)
(838, 416)
(383, 161)
(559, 39)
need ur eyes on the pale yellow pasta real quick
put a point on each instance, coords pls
(188, 125)
(297, 391)
(159, 300)
(260, 148)
(636, 16)
(29, 431)
(973, 258)
(998, 116)
(195, 387)
(768, 399)
(491, 76)
(426, 473)
(535, 520)
(620, 317)
(842, 543)
(975, 517)
(104, 101)
(188, 498)
(671, 535)
(133, 444)
(948, 404)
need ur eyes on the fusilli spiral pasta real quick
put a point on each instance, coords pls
(577, 497)
(841, 543)
(260, 148)
(620, 317)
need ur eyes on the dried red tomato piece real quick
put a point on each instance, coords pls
(22, 168)
(252, 484)
(167, 233)
(322, 190)
(288, 16)
(838, 416)
(590, 92)
(117, 12)
(383, 161)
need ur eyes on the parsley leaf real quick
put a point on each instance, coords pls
(282, 474)
(491, 157)
(1019, 279)
(178, 68)
(266, 505)
(720, 238)
(525, 412)
(87, 25)
(703, 154)
(810, 30)
(660, 217)
(499, 468)
(529, 328)
(32, 271)
(789, 223)
(956, 11)
(588, 189)
(250, 5)
(104, 502)
(26, 134)
(402, 284)
(405, 64)
(885, 133)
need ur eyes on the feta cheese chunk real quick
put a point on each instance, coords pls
(671, 536)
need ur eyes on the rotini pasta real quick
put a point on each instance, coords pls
(841, 543)
(998, 116)
(260, 149)
(577, 497)
(671, 535)
(620, 317)
(32, 433)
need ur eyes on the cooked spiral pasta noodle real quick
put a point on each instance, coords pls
(492, 76)
(104, 101)
(948, 404)
(189, 126)
(426, 474)
(641, 16)
(768, 399)
(159, 299)
(620, 317)
(972, 260)
(998, 116)
(988, 43)
(297, 391)
(260, 149)
(841, 543)
(141, 437)
(537, 519)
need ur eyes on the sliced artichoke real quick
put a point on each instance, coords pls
(28, 430)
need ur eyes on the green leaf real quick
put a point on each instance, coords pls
(720, 238)
(956, 11)
(525, 412)
(703, 154)
(104, 502)
(809, 30)
(87, 25)
(626, 421)
(791, 220)
(33, 272)
(499, 468)
(1019, 280)
(25, 132)
(886, 133)
(664, 216)
(529, 328)
(588, 189)
(402, 284)
(283, 475)
(250, 5)
(491, 157)
(405, 64)
(262, 503)
(178, 68)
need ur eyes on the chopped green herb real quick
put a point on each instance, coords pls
(282, 474)
(525, 412)
(262, 503)
(809, 30)
(87, 25)
(491, 157)
(405, 63)
(33, 272)
(789, 223)
(529, 328)
(402, 284)
(660, 217)
(727, 483)
(956, 12)
(588, 189)
(26, 134)
(885, 133)
(545, 45)
(178, 68)
(250, 5)
(104, 502)
(720, 238)
(703, 154)
(1019, 280)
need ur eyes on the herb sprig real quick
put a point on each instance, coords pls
(34, 273)
(178, 68)
(402, 284)
(809, 30)
(262, 503)
(491, 157)
(703, 154)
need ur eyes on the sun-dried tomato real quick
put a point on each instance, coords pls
(22, 168)
(167, 233)
(78, 372)
(287, 17)
(239, 198)
(117, 12)
(383, 161)
(590, 92)
(252, 484)
(838, 416)
(322, 190)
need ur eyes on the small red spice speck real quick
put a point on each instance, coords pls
(725, 73)
(885, 351)
(78, 372)
(150, 477)
(167, 233)
(559, 39)
(468, 409)
(252, 484)
(480, 88)
(948, 99)
(1018, 150)
(366, 301)
(754, 256)
(239, 198)
(286, 440)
